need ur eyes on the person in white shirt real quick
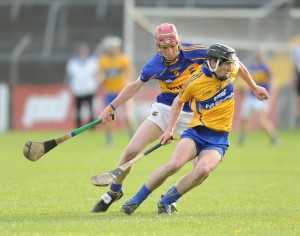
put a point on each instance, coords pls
(81, 71)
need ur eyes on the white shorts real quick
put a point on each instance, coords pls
(252, 104)
(160, 115)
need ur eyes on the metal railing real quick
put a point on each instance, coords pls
(14, 58)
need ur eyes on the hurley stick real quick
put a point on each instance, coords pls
(35, 150)
(108, 177)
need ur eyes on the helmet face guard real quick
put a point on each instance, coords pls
(166, 34)
(220, 53)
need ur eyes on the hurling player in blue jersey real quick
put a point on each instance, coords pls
(172, 66)
(261, 74)
(211, 95)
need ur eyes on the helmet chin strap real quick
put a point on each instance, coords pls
(221, 78)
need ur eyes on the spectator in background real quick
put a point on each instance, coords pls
(115, 72)
(296, 60)
(82, 77)
(261, 74)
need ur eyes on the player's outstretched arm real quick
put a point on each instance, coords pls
(126, 93)
(260, 92)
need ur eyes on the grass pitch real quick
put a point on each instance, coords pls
(254, 191)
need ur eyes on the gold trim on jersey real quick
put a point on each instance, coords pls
(176, 85)
(192, 78)
(192, 47)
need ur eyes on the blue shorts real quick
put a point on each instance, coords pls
(207, 139)
(109, 97)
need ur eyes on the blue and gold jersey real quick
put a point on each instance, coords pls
(212, 100)
(261, 75)
(172, 77)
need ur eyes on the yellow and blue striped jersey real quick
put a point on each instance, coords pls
(212, 100)
(173, 76)
(114, 69)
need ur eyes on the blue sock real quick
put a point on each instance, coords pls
(141, 195)
(171, 196)
(114, 189)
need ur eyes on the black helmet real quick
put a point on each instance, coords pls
(222, 52)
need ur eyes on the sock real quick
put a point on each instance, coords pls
(171, 196)
(114, 189)
(141, 195)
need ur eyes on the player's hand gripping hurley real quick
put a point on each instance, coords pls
(108, 177)
(35, 150)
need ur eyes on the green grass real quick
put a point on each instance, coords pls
(254, 191)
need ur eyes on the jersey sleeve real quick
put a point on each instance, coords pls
(148, 73)
(151, 70)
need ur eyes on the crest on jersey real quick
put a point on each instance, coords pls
(154, 113)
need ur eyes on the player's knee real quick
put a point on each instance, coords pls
(202, 172)
(173, 167)
(130, 153)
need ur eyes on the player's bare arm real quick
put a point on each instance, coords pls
(176, 108)
(245, 75)
(260, 92)
(128, 92)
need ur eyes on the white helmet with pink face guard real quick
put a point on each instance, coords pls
(166, 34)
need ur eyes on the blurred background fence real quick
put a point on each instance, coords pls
(37, 38)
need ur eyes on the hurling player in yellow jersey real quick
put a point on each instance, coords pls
(211, 95)
(115, 72)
